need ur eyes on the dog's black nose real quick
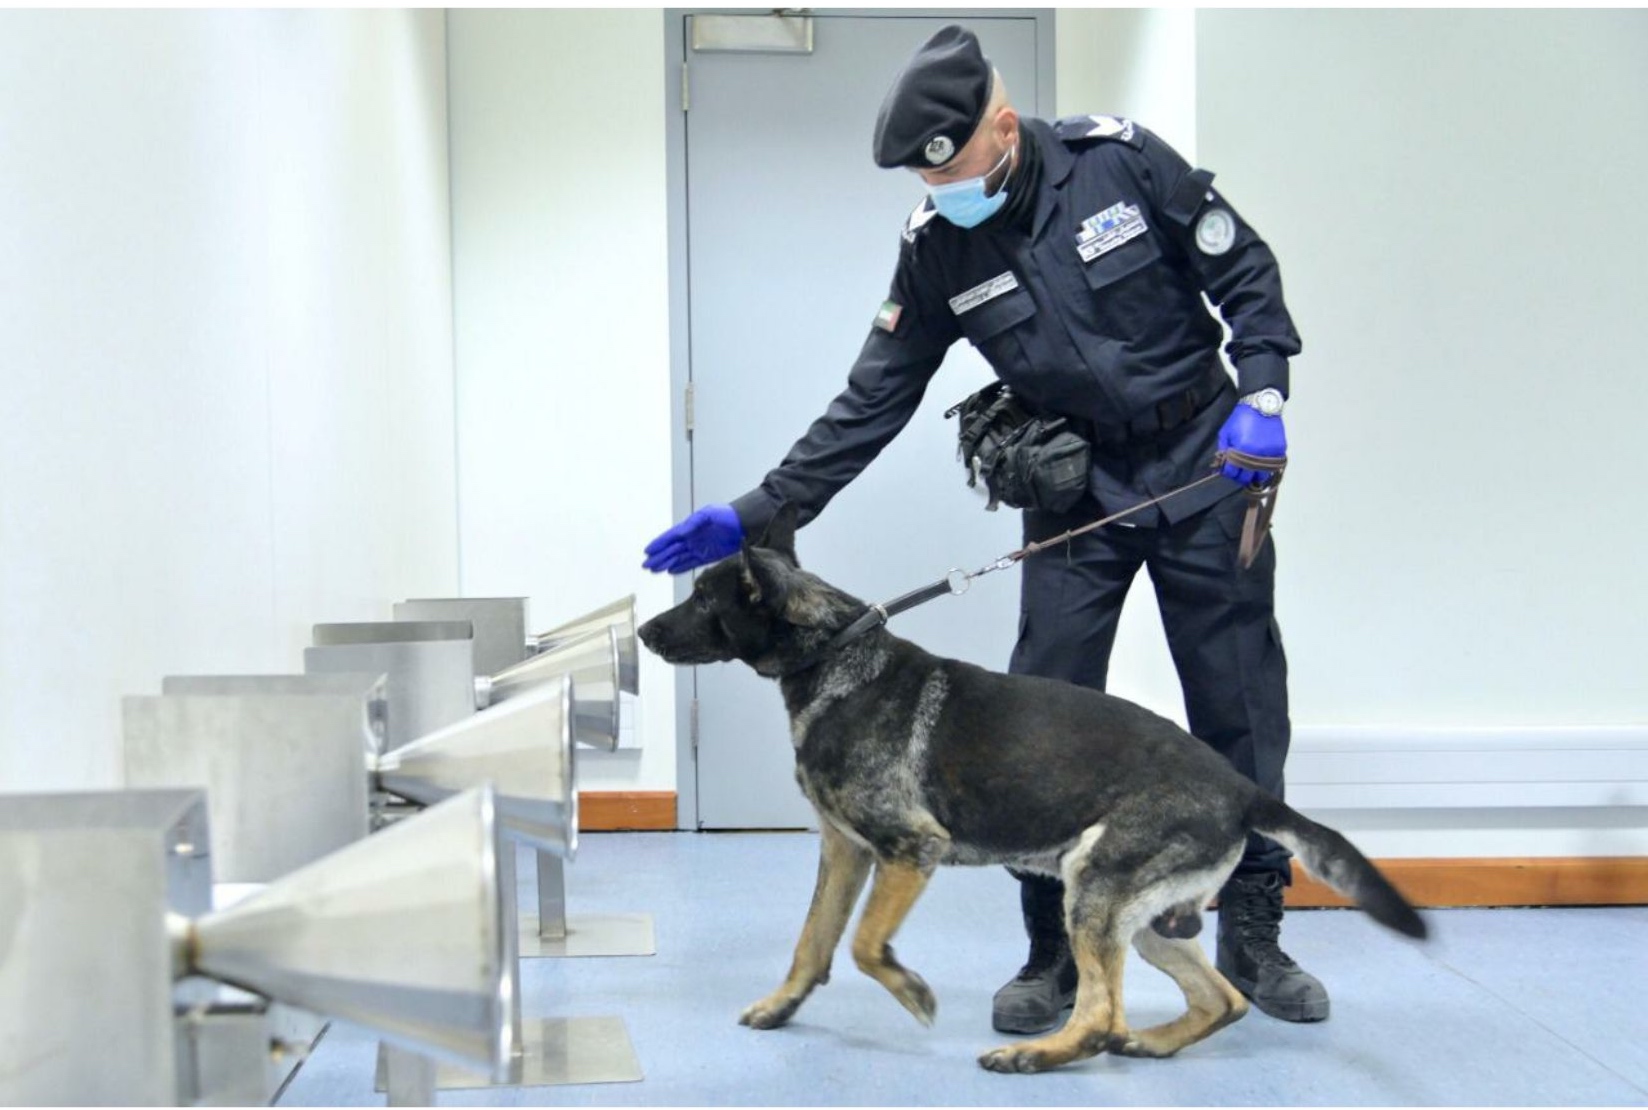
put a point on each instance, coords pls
(648, 633)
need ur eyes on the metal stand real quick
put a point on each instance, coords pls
(550, 932)
(549, 1052)
(557, 1052)
(407, 1077)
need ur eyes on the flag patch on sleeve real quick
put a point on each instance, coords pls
(887, 318)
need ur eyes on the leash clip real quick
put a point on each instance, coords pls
(999, 564)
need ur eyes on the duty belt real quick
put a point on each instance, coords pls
(1161, 417)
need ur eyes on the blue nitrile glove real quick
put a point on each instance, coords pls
(710, 533)
(1251, 431)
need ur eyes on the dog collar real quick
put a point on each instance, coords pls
(877, 615)
(873, 617)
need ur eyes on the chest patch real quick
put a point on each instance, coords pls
(1103, 233)
(987, 291)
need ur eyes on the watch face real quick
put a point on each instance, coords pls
(1267, 401)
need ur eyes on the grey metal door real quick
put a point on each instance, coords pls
(793, 233)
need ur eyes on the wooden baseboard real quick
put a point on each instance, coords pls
(1587, 881)
(625, 810)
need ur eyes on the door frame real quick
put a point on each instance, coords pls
(680, 298)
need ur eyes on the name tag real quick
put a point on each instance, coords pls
(1103, 233)
(978, 294)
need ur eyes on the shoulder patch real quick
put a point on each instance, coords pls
(1086, 129)
(919, 219)
(887, 318)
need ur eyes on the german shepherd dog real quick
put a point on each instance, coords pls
(912, 761)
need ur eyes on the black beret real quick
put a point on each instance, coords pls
(936, 102)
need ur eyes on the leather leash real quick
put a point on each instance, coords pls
(1255, 527)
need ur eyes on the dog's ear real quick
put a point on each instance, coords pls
(786, 592)
(806, 606)
(763, 583)
(780, 533)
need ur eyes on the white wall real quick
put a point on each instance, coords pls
(1133, 62)
(562, 318)
(1451, 195)
(225, 353)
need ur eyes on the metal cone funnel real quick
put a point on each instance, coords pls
(619, 615)
(403, 932)
(523, 748)
(592, 661)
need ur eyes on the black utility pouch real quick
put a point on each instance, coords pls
(1027, 459)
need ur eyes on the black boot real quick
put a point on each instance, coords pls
(1046, 985)
(1250, 923)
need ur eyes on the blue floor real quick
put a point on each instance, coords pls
(1501, 1007)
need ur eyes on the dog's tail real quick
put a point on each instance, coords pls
(1337, 862)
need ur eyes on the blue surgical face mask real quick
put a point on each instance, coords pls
(965, 203)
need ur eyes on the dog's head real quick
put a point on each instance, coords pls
(758, 606)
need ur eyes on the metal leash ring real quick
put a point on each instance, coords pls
(958, 581)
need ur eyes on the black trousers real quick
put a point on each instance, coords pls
(1219, 619)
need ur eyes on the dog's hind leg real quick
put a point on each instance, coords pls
(1093, 916)
(1097, 1021)
(842, 868)
(1213, 1002)
(897, 886)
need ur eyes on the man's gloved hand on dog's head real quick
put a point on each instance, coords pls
(709, 534)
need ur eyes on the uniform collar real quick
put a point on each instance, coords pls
(1023, 189)
(1056, 164)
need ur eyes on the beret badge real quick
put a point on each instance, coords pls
(939, 148)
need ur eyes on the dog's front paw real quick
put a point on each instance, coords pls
(917, 997)
(1015, 1059)
(770, 1012)
(1144, 1047)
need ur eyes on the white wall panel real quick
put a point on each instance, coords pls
(562, 318)
(1133, 62)
(225, 352)
(1450, 194)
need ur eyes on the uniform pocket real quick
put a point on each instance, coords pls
(1128, 294)
(988, 325)
(1124, 261)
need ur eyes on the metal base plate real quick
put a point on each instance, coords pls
(591, 934)
(555, 1052)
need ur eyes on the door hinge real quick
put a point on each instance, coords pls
(686, 89)
(691, 416)
(692, 725)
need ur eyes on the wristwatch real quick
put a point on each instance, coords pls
(1267, 401)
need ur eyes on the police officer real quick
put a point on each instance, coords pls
(1074, 255)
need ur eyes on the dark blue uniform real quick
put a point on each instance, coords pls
(1090, 306)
